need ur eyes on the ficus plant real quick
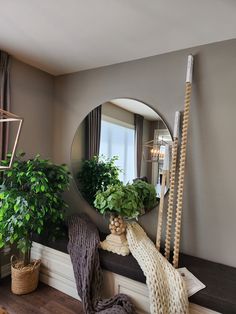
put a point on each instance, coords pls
(30, 200)
(96, 174)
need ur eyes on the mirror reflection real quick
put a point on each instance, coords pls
(124, 139)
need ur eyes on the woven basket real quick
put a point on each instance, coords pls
(24, 280)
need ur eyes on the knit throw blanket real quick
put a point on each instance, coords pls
(83, 249)
(167, 291)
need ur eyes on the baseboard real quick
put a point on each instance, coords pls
(56, 270)
(5, 270)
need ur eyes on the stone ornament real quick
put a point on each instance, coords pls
(116, 242)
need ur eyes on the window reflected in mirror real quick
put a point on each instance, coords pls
(117, 139)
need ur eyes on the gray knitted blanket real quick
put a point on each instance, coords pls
(83, 249)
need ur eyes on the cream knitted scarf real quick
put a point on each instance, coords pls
(167, 291)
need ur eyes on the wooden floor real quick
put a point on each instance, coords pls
(45, 300)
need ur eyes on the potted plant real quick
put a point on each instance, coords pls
(119, 199)
(96, 174)
(123, 202)
(30, 199)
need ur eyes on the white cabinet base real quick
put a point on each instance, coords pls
(57, 272)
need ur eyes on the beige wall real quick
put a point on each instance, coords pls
(32, 98)
(209, 204)
(113, 111)
(78, 149)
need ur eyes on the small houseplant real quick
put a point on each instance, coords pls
(96, 174)
(119, 199)
(30, 199)
(123, 202)
(128, 201)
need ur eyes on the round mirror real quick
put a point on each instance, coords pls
(121, 141)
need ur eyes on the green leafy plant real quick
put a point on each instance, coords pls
(96, 175)
(147, 193)
(129, 200)
(120, 199)
(30, 199)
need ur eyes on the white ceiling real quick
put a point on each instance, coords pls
(136, 106)
(63, 36)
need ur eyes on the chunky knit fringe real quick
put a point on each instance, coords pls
(167, 291)
(83, 249)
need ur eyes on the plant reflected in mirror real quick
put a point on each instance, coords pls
(97, 174)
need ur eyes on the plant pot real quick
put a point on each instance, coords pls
(24, 279)
(116, 242)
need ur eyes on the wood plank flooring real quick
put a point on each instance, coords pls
(45, 300)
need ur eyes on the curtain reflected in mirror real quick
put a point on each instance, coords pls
(93, 132)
